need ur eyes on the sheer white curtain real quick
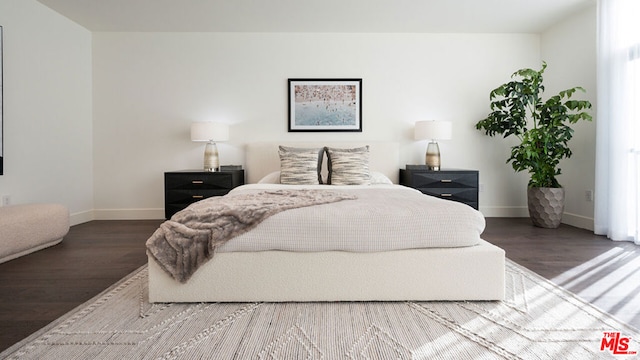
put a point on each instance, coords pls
(617, 203)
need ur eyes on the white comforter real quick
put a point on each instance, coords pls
(383, 218)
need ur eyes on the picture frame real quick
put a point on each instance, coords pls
(325, 105)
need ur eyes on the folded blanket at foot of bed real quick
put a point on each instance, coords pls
(189, 239)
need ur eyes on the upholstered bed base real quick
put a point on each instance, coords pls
(469, 273)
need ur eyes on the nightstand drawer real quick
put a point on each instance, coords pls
(444, 180)
(183, 188)
(455, 185)
(189, 196)
(465, 195)
(198, 181)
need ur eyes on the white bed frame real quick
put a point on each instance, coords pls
(468, 273)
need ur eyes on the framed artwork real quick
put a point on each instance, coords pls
(325, 105)
(1, 109)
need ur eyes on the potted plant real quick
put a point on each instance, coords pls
(543, 128)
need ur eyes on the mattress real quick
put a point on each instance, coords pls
(382, 218)
(311, 218)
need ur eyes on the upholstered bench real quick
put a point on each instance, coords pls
(31, 227)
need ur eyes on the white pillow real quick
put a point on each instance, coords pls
(379, 178)
(271, 178)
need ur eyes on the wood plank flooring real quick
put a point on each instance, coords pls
(40, 287)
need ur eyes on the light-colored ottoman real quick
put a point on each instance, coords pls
(31, 227)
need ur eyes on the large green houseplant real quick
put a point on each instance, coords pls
(543, 128)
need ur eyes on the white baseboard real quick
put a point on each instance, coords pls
(154, 214)
(115, 214)
(128, 214)
(504, 211)
(578, 221)
(81, 217)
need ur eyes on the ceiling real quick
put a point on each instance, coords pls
(454, 16)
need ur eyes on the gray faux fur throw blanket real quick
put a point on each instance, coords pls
(191, 236)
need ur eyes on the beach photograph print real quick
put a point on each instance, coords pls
(325, 105)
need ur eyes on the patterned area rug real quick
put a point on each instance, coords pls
(538, 320)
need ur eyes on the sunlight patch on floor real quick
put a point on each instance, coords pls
(614, 274)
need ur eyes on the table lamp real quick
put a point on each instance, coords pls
(433, 131)
(210, 132)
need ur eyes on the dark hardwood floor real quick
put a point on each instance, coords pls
(40, 287)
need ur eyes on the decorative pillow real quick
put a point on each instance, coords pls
(271, 178)
(379, 178)
(300, 166)
(348, 166)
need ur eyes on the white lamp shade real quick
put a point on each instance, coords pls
(209, 131)
(432, 130)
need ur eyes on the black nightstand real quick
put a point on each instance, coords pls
(456, 185)
(182, 188)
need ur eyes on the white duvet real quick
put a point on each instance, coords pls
(383, 218)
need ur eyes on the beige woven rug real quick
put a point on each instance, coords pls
(538, 320)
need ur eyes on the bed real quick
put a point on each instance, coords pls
(270, 264)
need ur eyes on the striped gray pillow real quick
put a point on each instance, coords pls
(348, 166)
(300, 166)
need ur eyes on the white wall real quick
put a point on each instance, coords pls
(570, 51)
(148, 87)
(47, 108)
